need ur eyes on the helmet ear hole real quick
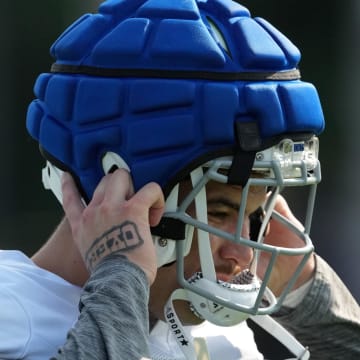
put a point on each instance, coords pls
(112, 161)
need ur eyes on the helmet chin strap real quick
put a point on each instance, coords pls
(276, 330)
(192, 348)
(196, 348)
(205, 309)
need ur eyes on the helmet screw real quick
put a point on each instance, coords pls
(162, 242)
(259, 156)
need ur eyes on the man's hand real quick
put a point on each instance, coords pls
(280, 235)
(116, 220)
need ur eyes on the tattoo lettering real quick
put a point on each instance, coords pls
(119, 239)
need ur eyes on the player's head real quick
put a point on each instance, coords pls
(184, 92)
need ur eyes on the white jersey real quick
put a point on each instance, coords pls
(37, 306)
(230, 343)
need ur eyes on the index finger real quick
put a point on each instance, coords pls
(119, 187)
(72, 202)
(152, 197)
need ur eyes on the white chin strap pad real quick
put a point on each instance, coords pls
(192, 348)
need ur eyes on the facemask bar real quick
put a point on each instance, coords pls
(245, 297)
(279, 171)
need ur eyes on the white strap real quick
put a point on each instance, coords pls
(192, 348)
(282, 335)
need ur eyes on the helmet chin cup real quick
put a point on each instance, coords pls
(244, 296)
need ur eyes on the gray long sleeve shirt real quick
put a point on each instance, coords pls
(327, 321)
(113, 321)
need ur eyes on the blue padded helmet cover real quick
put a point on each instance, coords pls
(163, 84)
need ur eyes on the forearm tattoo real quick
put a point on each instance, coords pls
(119, 239)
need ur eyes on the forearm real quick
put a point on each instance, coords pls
(328, 318)
(113, 322)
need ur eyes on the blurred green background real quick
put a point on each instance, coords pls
(327, 33)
